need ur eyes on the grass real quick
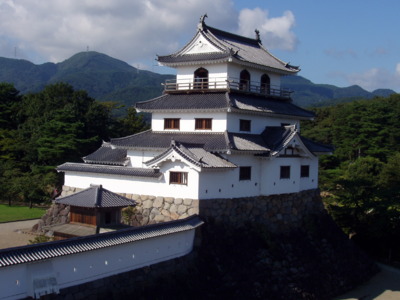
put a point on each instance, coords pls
(17, 213)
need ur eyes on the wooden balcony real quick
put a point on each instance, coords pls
(223, 84)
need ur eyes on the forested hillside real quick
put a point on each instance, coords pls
(101, 76)
(39, 131)
(361, 181)
(108, 79)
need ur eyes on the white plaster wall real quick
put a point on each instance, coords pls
(311, 182)
(187, 121)
(226, 183)
(258, 123)
(139, 185)
(75, 269)
(255, 74)
(273, 184)
(217, 74)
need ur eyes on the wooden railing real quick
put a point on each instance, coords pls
(209, 84)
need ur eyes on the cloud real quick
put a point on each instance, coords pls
(276, 33)
(376, 78)
(340, 54)
(129, 30)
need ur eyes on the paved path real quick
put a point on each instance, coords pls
(12, 233)
(383, 286)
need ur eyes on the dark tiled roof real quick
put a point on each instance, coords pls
(184, 101)
(276, 137)
(104, 169)
(317, 147)
(213, 142)
(247, 142)
(105, 155)
(265, 105)
(223, 101)
(239, 48)
(195, 155)
(95, 196)
(38, 252)
(194, 57)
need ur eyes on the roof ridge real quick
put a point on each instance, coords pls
(217, 31)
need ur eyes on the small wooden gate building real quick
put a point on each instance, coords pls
(92, 210)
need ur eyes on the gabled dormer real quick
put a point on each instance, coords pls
(216, 60)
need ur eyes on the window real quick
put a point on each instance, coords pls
(244, 84)
(265, 84)
(285, 172)
(178, 178)
(205, 124)
(245, 173)
(201, 79)
(290, 151)
(171, 123)
(305, 171)
(245, 125)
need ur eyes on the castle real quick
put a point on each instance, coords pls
(223, 129)
(224, 144)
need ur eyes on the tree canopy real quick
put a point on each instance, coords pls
(39, 131)
(361, 180)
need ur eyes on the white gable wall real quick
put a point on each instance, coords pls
(138, 157)
(200, 45)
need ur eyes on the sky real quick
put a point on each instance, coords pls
(334, 42)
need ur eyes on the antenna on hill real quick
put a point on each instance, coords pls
(15, 52)
(87, 48)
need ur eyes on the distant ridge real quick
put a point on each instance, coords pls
(109, 79)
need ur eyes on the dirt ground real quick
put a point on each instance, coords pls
(13, 234)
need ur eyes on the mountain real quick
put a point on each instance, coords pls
(307, 93)
(103, 77)
(109, 79)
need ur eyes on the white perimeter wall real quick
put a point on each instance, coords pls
(74, 269)
(187, 121)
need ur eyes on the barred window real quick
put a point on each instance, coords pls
(205, 124)
(245, 125)
(305, 171)
(178, 178)
(245, 173)
(171, 123)
(285, 172)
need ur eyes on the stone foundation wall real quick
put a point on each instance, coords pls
(278, 212)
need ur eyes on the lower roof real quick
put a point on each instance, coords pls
(112, 170)
(224, 101)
